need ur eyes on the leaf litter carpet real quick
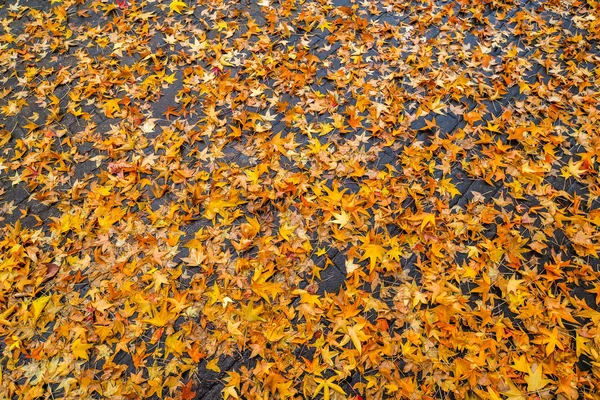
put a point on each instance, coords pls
(299, 199)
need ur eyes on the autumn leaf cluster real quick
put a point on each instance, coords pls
(300, 199)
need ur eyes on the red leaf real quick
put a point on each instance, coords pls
(187, 392)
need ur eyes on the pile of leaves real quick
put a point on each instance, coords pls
(298, 199)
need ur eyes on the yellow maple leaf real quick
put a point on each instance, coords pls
(581, 345)
(513, 392)
(286, 230)
(213, 365)
(428, 219)
(446, 186)
(342, 218)
(252, 313)
(437, 106)
(573, 169)
(111, 106)
(513, 285)
(425, 218)
(321, 251)
(351, 266)
(169, 78)
(79, 349)
(174, 345)
(325, 385)
(535, 380)
(551, 340)
(177, 6)
(524, 87)
(373, 252)
(218, 206)
(38, 306)
(160, 318)
(356, 335)
(229, 391)
(521, 364)
(6, 313)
